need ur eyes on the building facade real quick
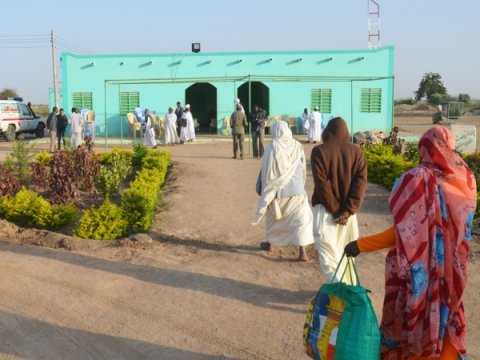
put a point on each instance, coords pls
(355, 84)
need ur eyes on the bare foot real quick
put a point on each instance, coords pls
(302, 254)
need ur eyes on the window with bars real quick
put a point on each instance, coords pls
(82, 100)
(129, 101)
(371, 100)
(323, 99)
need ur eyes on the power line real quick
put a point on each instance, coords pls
(68, 43)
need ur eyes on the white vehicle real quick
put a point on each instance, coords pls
(17, 118)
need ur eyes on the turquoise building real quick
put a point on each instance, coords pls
(355, 84)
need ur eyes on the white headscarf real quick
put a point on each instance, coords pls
(280, 162)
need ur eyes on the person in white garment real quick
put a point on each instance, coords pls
(315, 126)
(238, 103)
(283, 200)
(305, 124)
(187, 133)
(76, 127)
(171, 136)
(149, 135)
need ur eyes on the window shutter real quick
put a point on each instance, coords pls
(323, 99)
(371, 100)
(129, 101)
(82, 100)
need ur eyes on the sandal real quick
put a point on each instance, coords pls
(265, 245)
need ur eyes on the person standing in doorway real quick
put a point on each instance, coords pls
(179, 112)
(339, 171)
(315, 126)
(258, 117)
(62, 123)
(238, 125)
(52, 128)
(171, 136)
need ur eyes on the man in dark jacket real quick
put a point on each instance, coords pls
(179, 112)
(257, 121)
(339, 171)
(62, 123)
(238, 125)
(52, 128)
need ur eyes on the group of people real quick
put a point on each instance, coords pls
(312, 123)
(179, 126)
(57, 123)
(432, 207)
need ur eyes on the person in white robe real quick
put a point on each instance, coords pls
(171, 136)
(76, 127)
(315, 126)
(283, 200)
(187, 134)
(149, 134)
(305, 124)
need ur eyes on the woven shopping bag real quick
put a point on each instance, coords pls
(341, 323)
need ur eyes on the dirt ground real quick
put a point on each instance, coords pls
(202, 289)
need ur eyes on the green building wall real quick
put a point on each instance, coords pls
(281, 81)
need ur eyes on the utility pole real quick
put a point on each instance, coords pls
(54, 64)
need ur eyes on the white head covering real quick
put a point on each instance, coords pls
(315, 108)
(237, 101)
(187, 106)
(280, 162)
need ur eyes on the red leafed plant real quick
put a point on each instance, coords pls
(9, 185)
(40, 175)
(62, 179)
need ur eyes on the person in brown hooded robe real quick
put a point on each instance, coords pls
(339, 171)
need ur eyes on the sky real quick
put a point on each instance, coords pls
(428, 35)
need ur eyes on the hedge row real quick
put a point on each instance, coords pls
(138, 203)
(29, 209)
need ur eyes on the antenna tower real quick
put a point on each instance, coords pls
(373, 24)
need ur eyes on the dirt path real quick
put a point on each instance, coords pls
(201, 290)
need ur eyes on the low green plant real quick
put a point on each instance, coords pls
(384, 167)
(106, 222)
(140, 151)
(19, 159)
(106, 157)
(42, 157)
(108, 180)
(29, 209)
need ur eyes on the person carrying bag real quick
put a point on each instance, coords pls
(341, 323)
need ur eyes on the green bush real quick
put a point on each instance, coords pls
(108, 181)
(140, 151)
(384, 167)
(106, 158)
(29, 209)
(43, 157)
(141, 199)
(106, 222)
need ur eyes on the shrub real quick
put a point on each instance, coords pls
(106, 157)
(140, 200)
(19, 160)
(140, 151)
(86, 168)
(42, 157)
(40, 174)
(29, 209)
(108, 181)
(384, 167)
(103, 223)
(9, 185)
(62, 178)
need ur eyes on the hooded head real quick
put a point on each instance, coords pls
(336, 130)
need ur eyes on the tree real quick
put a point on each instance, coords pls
(465, 98)
(431, 84)
(6, 93)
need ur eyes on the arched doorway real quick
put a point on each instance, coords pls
(202, 98)
(260, 95)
